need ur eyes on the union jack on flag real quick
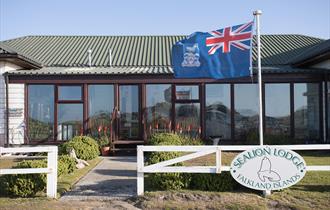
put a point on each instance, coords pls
(230, 37)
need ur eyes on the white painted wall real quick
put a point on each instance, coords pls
(16, 102)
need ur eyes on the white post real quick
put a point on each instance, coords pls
(52, 176)
(218, 160)
(266, 193)
(140, 174)
(257, 13)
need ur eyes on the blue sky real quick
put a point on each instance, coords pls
(152, 17)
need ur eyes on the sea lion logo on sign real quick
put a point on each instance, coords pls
(268, 168)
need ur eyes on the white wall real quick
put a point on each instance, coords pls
(16, 105)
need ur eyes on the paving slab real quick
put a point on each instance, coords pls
(114, 178)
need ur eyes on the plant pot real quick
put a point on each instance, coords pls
(105, 151)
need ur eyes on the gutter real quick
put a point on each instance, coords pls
(7, 109)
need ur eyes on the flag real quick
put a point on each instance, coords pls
(219, 54)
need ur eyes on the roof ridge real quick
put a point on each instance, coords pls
(160, 35)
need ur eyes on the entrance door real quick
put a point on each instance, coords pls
(129, 121)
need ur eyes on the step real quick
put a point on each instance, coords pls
(128, 142)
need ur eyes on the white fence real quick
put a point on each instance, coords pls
(51, 169)
(199, 151)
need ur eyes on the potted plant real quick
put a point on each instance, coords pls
(104, 145)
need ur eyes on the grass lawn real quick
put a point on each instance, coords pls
(312, 192)
(64, 184)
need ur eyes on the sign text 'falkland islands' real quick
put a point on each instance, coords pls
(268, 168)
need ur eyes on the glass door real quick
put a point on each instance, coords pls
(129, 107)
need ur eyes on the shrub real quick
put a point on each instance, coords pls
(24, 185)
(191, 141)
(66, 165)
(213, 182)
(166, 181)
(85, 147)
(103, 141)
(165, 139)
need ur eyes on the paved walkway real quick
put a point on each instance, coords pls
(114, 178)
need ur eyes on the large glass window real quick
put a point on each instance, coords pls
(306, 111)
(185, 92)
(328, 110)
(187, 116)
(40, 112)
(69, 121)
(277, 110)
(100, 107)
(129, 112)
(69, 93)
(246, 112)
(218, 113)
(158, 110)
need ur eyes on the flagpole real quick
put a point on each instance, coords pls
(257, 14)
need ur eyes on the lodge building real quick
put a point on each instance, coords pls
(55, 87)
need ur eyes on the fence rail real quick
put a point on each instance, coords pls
(51, 169)
(199, 151)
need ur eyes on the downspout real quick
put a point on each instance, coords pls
(7, 110)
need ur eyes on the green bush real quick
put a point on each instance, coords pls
(166, 181)
(213, 182)
(103, 141)
(65, 165)
(85, 147)
(24, 185)
(165, 139)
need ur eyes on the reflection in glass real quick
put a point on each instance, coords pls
(277, 109)
(246, 112)
(129, 111)
(328, 111)
(100, 107)
(41, 112)
(184, 92)
(158, 110)
(69, 121)
(306, 111)
(69, 93)
(187, 119)
(218, 111)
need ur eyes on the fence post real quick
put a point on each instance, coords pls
(52, 176)
(266, 193)
(140, 174)
(218, 160)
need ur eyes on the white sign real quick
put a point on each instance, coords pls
(268, 168)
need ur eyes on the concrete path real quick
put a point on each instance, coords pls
(114, 178)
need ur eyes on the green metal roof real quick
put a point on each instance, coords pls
(138, 51)
(140, 70)
(316, 52)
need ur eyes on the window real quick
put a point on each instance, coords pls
(328, 110)
(184, 92)
(187, 116)
(218, 113)
(277, 111)
(129, 112)
(100, 107)
(69, 93)
(158, 110)
(69, 112)
(69, 121)
(246, 112)
(306, 111)
(40, 112)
